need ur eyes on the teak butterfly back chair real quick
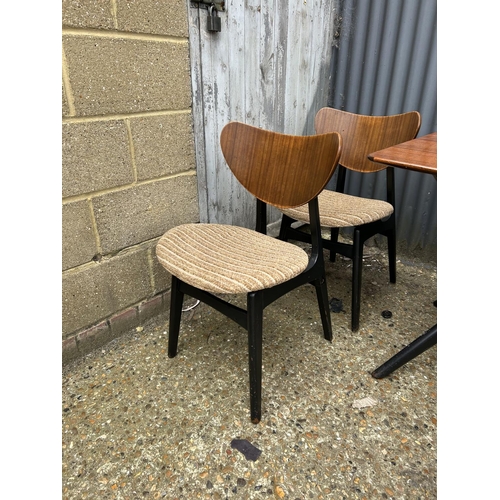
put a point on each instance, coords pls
(208, 259)
(361, 135)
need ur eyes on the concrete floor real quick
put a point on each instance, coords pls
(137, 424)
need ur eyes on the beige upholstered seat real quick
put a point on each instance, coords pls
(219, 258)
(207, 261)
(343, 210)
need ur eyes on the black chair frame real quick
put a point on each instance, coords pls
(252, 318)
(354, 251)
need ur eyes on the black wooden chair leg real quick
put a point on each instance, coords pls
(324, 307)
(334, 237)
(357, 267)
(176, 300)
(255, 311)
(391, 246)
(286, 223)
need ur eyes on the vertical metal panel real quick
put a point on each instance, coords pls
(384, 62)
(269, 66)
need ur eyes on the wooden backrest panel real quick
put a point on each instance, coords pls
(282, 170)
(362, 134)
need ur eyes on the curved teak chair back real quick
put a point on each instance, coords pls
(362, 134)
(279, 169)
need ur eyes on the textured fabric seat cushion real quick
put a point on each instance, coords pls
(343, 210)
(221, 258)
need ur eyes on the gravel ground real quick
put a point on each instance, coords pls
(137, 424)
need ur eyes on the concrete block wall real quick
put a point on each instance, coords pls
(128, 169)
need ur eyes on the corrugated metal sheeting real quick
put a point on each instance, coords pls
(385, 62)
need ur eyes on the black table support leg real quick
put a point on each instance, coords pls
(418, 346)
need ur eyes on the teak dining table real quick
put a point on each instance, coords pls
(420, 155)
